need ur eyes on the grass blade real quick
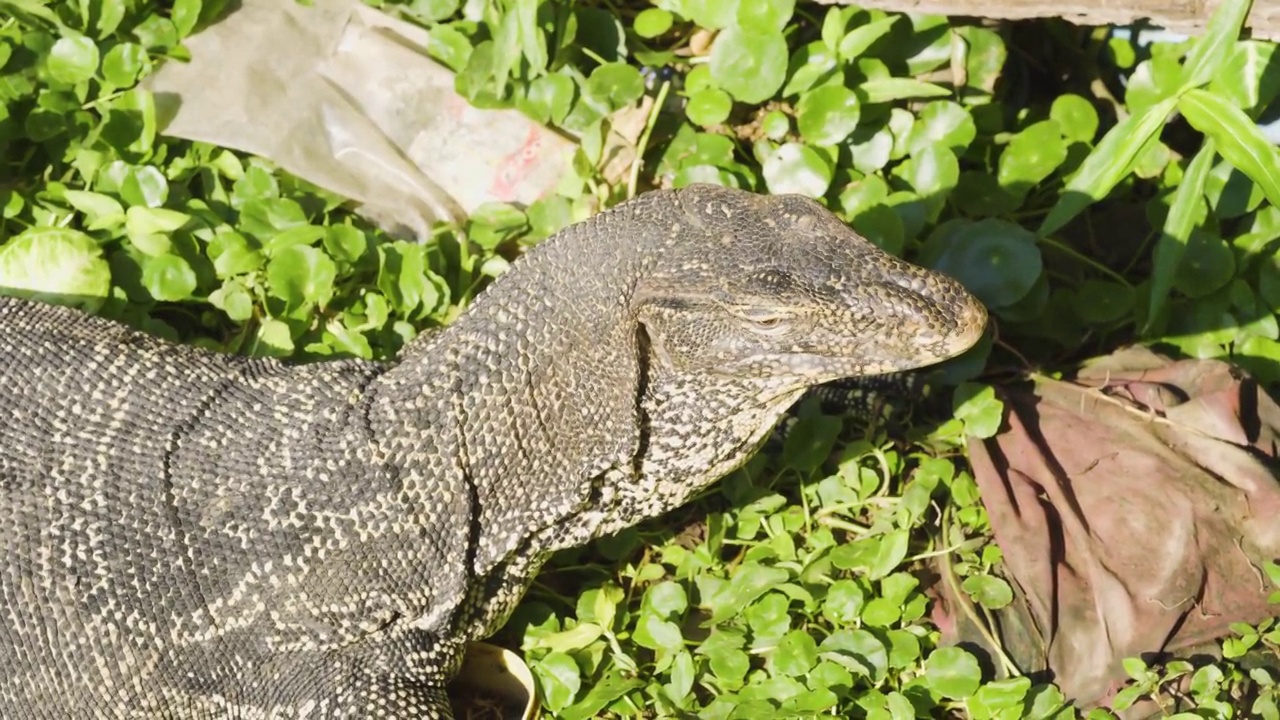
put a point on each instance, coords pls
(1238, 138)
(1183, 214)
(1214, 47)
(1111, 160)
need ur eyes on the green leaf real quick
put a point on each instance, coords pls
(559, 680)
(988, 591)
(233, 299)
(1247, 79)
(1100, 302)
(301, 275)
(889, 89)
(1185, 212)
(233, 254)
(827, 115)
(657, 634)
(652, 22)
(942, 122)
(141, 220)
(795, 655)
(682, 677)
(876, 555)
(708, 107)
(808, 66)
(843, 602)
(1208, 264)
(1211, 50)
(185, 15)
(145, 185)
(856, 42)
(858, 651)
(984, 56)
(264, 218)
(710, 14)
(273, 339)
(168, 278)
(748, 582)
(73, 59)
(1238, 138)
(749, 65)
(765, 15)
(1031, 156)
(344, 243)
(796, 168)
(123, 63)
(976, 405)
(932, 173)
(101, 211)
(996, 260)
(809, 441)
(1111, 160)
(56, 265)
(952, 673)
(548, 98)
(1076, 117)
(618, 84)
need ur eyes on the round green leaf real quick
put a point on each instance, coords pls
(1099, 302)
(710, 14)
(709, 107)
(882, 226)
(301, 274)
(73, 59)
(750, 65)
(433, 11)
(809, 65)
(56, 265)
(952, 673)
(942, 122)
(796, 168)
(765, 15)
(858, 651)
(123, 63)
(618, 83)
(1031, 156)
(652, 22)
(667, 598)
(996, 260)
(827, 115)
(932, 173)
(145, 185)
(1076, 117)
(775, 125)
(559, 678)
(988, 591)
(548, 98)
(796, 654)
(843, 602)
(344, 243)
(1207, 265)
(168, 278)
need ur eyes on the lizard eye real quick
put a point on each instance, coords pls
(766, 322)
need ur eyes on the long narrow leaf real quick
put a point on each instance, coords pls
(1239, 139)
(888, 89)
(1183, 214)
(1212, 49)
(1108, 164)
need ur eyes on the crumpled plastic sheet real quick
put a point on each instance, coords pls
(1135, 506)
(346, 97)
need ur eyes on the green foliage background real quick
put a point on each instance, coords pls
(1090, 190)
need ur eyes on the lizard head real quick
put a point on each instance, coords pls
(777, 287)
(748, 302)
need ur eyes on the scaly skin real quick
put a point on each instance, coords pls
(194, 535)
